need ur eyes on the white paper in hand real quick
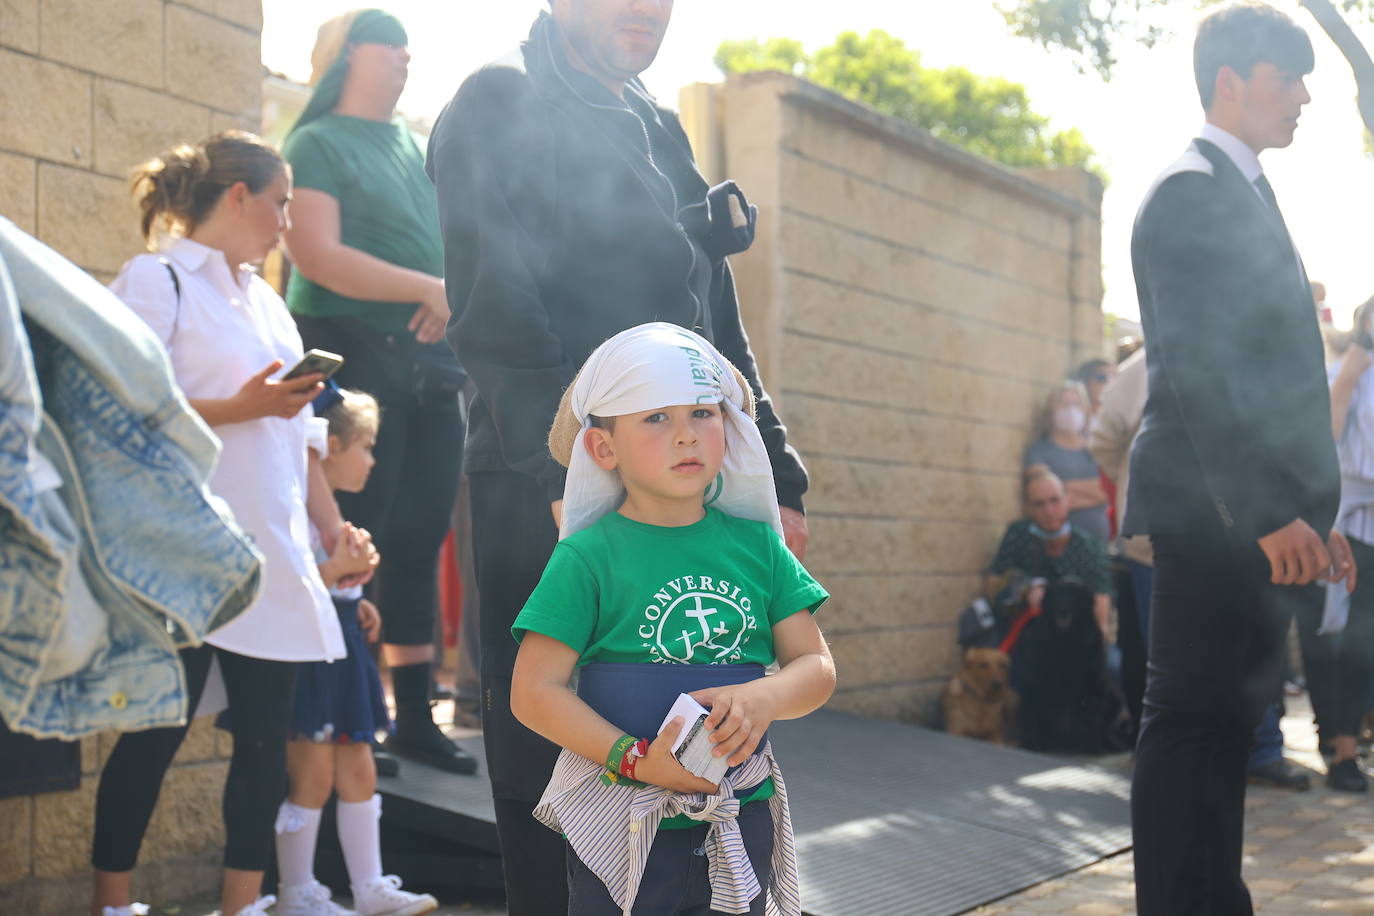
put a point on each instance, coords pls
(693, 746)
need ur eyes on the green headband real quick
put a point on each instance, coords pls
(370, 27)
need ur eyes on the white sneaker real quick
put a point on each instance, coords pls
(133, 909)
(257, 907)
(384, 897)
(311, 899)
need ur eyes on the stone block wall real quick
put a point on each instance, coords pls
(910, 305)
(88, 89)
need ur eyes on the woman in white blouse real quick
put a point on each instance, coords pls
(229, 337)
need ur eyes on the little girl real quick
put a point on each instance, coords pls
(339, 707)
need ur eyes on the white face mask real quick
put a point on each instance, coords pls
(1069, 419)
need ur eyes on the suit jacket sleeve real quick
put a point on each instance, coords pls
(491, 159)
(1204, 279)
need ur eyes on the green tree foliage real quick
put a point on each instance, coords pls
(1089, 29)
(991, 116)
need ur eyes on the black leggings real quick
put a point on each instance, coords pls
(260, 692)
(407, 504)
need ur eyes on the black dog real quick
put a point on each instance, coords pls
(1068, 701)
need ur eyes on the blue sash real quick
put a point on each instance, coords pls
(635, 698)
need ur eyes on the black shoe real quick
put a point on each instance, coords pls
(1347, 776)
(1281, 775)
(386, 764)
(427, 744)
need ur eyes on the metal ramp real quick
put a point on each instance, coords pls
(890, 819)
(894, 820)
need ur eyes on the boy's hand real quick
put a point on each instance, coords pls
(740, 714)
(370, 619)
(661, 768)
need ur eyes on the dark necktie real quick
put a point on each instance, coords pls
(1266, 191)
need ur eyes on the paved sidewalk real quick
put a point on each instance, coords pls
(1305, 852)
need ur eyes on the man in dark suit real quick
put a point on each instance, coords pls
(1234, 472)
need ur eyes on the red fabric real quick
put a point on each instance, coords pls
(1014, 634)
(450, 589)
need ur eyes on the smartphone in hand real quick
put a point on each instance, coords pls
(321, 361)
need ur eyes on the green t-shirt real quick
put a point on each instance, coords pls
(703, 594)
(387, 208)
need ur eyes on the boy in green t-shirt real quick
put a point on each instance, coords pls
(671, 555)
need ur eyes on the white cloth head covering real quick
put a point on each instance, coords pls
(643, 368)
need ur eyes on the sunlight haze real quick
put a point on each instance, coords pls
(1138, 122)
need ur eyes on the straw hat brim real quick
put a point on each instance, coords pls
(566, 429)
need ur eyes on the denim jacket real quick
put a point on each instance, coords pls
(85, 389)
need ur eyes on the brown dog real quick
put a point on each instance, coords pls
(978, 702)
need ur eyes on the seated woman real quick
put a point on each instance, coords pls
(1061, 446)
(1045, 546)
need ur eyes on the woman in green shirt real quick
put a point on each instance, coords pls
(368, 285)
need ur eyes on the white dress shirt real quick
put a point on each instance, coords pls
(1236, 150)
(220, 330)
(1247, 160)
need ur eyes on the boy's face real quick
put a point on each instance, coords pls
(668, 455)
(348, 465)
(1265, 106)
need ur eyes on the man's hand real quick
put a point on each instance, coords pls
(795, 533)
(1342, 561)
(660, 768)
(1297, 555)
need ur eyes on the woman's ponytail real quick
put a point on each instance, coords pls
(178, 189)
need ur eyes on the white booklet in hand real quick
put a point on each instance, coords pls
(693, 745)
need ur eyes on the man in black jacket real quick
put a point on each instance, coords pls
(1234, 471)
(571, 210)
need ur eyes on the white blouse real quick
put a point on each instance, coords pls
(223, 328)
(1355, 449)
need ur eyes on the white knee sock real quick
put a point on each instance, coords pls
(297, 830)
(360, 836)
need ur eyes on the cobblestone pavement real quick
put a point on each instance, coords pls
(1305, 852)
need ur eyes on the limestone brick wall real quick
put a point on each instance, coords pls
(89, 88)
(910, 305)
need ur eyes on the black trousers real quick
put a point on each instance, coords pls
(1217, 631)
(407, 504)
(1340, 666)
(512, 536)
(260, 693)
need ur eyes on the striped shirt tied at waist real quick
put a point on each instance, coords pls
(611, 829)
